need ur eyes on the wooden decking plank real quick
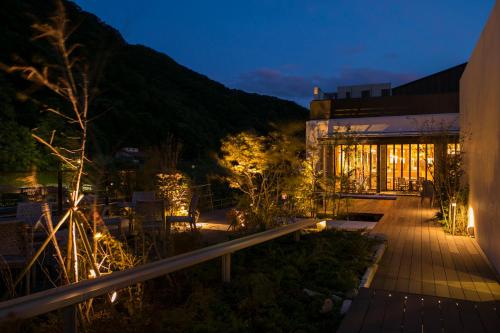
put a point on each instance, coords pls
(394, 311)
(454, 286)
(412, 322)
(488, 313)
(481, 273)
(480, 285)
(451, 316)
(375, 316)
(431, 314)
(353, 321)
(470, 317)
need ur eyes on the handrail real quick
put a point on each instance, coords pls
(64, 296)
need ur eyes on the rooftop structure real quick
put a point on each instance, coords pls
(385, 139)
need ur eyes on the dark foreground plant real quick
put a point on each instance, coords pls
(266, 293)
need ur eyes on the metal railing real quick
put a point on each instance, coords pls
(66, 296)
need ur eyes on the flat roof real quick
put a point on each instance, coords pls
(390, 126)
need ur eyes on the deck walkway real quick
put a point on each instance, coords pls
(423, 263)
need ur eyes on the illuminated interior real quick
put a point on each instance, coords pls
(398, 167)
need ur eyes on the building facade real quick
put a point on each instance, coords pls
(480, 120)
(390, 141)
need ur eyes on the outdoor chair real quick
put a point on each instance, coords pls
(16, 248)
(402, 184)
(150, 215)
(427, 192)
(192, 216)
(420, 181)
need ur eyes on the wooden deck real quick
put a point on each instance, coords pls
(384, 311)
(422, 262)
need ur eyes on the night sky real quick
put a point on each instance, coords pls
(284, 48)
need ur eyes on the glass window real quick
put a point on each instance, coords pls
(453, 148)
(414, 163)
(430, 162)
(422, 165)
(390, 167)
(398, 164)
(373, 171)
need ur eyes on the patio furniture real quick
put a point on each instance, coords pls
(420, 181)
(401, 184)
(427, 192)
(413, 185)
(150, 215)
(192, 216)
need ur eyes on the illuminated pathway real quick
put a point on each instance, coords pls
(427, 280)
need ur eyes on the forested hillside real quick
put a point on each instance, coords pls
(143, 98)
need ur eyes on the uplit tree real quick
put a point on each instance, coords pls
(261, 168)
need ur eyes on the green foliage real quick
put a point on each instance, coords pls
(266, 291)
(260, 167)
(174, 188)
(17, 149)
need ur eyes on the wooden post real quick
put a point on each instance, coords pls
(226, 268)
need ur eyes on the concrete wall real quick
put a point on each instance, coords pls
(480, 125)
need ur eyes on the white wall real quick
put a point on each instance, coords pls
(480, 125)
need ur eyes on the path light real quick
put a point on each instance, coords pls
(113, 297)
(453, 214)
(321, 225)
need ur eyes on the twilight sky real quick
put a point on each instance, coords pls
(285, 47)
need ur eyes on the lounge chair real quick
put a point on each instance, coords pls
(192, 216)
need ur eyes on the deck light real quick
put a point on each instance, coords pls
(321, 225)
(471, 222)
(114, 296)
(453, 214)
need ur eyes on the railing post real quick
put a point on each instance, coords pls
(69, 319)
(296, 236)
(226, 268)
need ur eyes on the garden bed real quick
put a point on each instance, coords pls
(361, 217)
(278, 286)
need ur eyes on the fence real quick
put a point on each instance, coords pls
(70, 295)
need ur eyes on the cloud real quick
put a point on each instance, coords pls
(299, 88)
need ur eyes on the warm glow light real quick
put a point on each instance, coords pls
(97, 235)
(92, 274)
(321, 225)
(114, 296)
(471, 218)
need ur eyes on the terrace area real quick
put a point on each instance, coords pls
(427, 280)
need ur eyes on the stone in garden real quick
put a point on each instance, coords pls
(327, 306)
(346, 304)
